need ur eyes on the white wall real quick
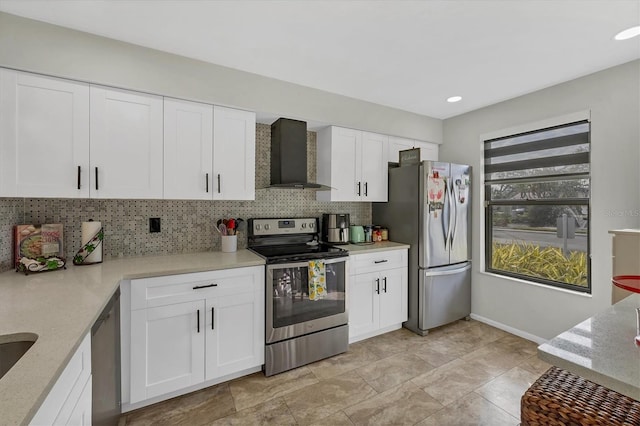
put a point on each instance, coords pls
(48, 49)
(613, 98)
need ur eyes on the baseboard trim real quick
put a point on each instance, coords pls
(509, 329)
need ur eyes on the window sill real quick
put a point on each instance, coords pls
(535, 284)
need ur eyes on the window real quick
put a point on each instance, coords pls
(537, 188)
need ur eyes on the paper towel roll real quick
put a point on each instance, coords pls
(89, 230)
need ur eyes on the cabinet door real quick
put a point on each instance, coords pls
(235, 334)
(346, 164)
(44, 136)
(363, 305)
(428, 151)
(234, 154)
(396, 145)
(69, 390)
(374, 167)
(81, 414)
(188, 150)
(393, 297)
(126, 144)
(167, 349)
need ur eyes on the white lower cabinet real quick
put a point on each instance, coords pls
(69, 401)
(377, 293)
(190, 331)
(167, 349)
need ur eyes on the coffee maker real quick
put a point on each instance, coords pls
(335, 228)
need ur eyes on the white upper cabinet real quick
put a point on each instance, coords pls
(188, 150)
(44, 136)
(353, 163)
(374, 166)
(428, 151)
(209, 152)
(234, 154)
(126, 144)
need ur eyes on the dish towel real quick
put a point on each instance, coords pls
(317, 281)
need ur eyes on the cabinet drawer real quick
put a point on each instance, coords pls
(59, 404)
(378, 261)
(166, 290)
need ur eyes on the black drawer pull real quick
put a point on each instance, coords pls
(198, 320)
(205, 286)
(381, 261)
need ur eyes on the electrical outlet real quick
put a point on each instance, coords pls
(154, 224)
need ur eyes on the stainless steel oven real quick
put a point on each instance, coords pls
(303, 323)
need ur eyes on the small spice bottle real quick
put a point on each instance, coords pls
(385, 234)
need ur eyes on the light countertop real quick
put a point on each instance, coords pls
(61, 306)
(356, 249)
(625, 231)
(601, 349)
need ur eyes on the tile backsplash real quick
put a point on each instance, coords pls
(187, 226)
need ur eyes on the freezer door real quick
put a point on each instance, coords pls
(445, 295)
(435, 207)
(460, 234)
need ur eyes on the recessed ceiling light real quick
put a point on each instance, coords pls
(628, 33)
(454, 99)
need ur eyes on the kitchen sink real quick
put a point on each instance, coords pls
(13, 349)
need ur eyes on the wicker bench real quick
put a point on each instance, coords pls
(561, 398)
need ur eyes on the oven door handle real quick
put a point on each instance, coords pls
(329, 261)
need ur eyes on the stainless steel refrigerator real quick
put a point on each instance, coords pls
(429, 208)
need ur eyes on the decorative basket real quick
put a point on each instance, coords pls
(561, 398)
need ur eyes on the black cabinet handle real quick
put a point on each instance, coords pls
(79, 177)
(378, 285)
(96, 178)
(198, 320)
(212, 318)
(380, 261)
(205, 286)
(366, 184)
(384, 287)
(206, 179)
(218, 183)
(358, 189)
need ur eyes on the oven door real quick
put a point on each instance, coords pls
(291, 312)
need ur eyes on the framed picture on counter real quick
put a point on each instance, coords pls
(39, 248)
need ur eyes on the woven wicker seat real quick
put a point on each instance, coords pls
(561, 398)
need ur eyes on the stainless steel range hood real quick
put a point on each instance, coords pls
(289, 155)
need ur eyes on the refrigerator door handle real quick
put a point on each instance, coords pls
(449, 196)
(453, 212)
(449, 271)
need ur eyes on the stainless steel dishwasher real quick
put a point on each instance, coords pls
(105, 364)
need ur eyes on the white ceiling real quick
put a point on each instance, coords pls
(410, 55)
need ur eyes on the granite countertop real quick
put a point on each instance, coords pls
(373, 247)
(61, 306)
(601, 349)
(625, 231)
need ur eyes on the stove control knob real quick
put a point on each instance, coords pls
(266, 227)
(311, 225)
(304, 225)
(258, 227)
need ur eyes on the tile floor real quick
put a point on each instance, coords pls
(466, 373)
